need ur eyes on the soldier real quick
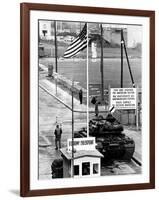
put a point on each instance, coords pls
(80, 96)
(58, 133)
(96, 109)
(94, 100)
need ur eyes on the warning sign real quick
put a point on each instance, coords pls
(123, 98)
(82, 143)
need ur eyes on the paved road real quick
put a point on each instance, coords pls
(49, 109)
(52, 110)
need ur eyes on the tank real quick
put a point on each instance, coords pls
(110, 138)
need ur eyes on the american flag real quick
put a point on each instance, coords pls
(78, 44)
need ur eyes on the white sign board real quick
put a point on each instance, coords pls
(123, 98)
(82, 143)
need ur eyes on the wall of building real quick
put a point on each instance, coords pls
(46, 26)
(134, 36)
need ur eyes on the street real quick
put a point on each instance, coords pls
(51, 110)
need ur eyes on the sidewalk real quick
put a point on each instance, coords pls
(65, 98)
(137, 137)
(48, 109)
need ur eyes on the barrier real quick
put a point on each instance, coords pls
(68, 83)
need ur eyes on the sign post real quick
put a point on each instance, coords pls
(137, 112)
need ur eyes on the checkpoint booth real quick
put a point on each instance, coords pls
(85, 161)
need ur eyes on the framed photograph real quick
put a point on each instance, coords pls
(87, 99)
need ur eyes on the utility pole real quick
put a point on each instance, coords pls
(132, 79)
(121, 45)
(55, 55)
(55, 47)
(101, 65)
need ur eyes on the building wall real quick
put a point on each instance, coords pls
(113, 35)
(92, 160)
(45, 25)
(134, 36)
(66, 168)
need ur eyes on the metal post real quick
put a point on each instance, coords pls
(55, 78)
(137, 113)
(87, 85)
(55, 54)
(55, 47)
(128, 61)
(101, 65)
(72, 131)
(56, 86)
(121, 79)
(109, 97)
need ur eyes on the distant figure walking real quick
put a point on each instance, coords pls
(80, 96)
(96, 109)
(58, 133)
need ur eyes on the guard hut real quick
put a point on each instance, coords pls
(86, 158)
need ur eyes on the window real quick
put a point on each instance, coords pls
(86, 168)
(76, 170)
(95, 168)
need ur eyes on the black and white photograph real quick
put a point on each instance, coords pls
(90, 99)
(88, 113)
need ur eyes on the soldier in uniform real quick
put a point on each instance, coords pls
(58, 133)
(80, 96)
(96, 109)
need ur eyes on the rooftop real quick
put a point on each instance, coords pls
(81, 153)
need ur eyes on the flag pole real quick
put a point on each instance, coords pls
(72, 129)
(87, 86)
